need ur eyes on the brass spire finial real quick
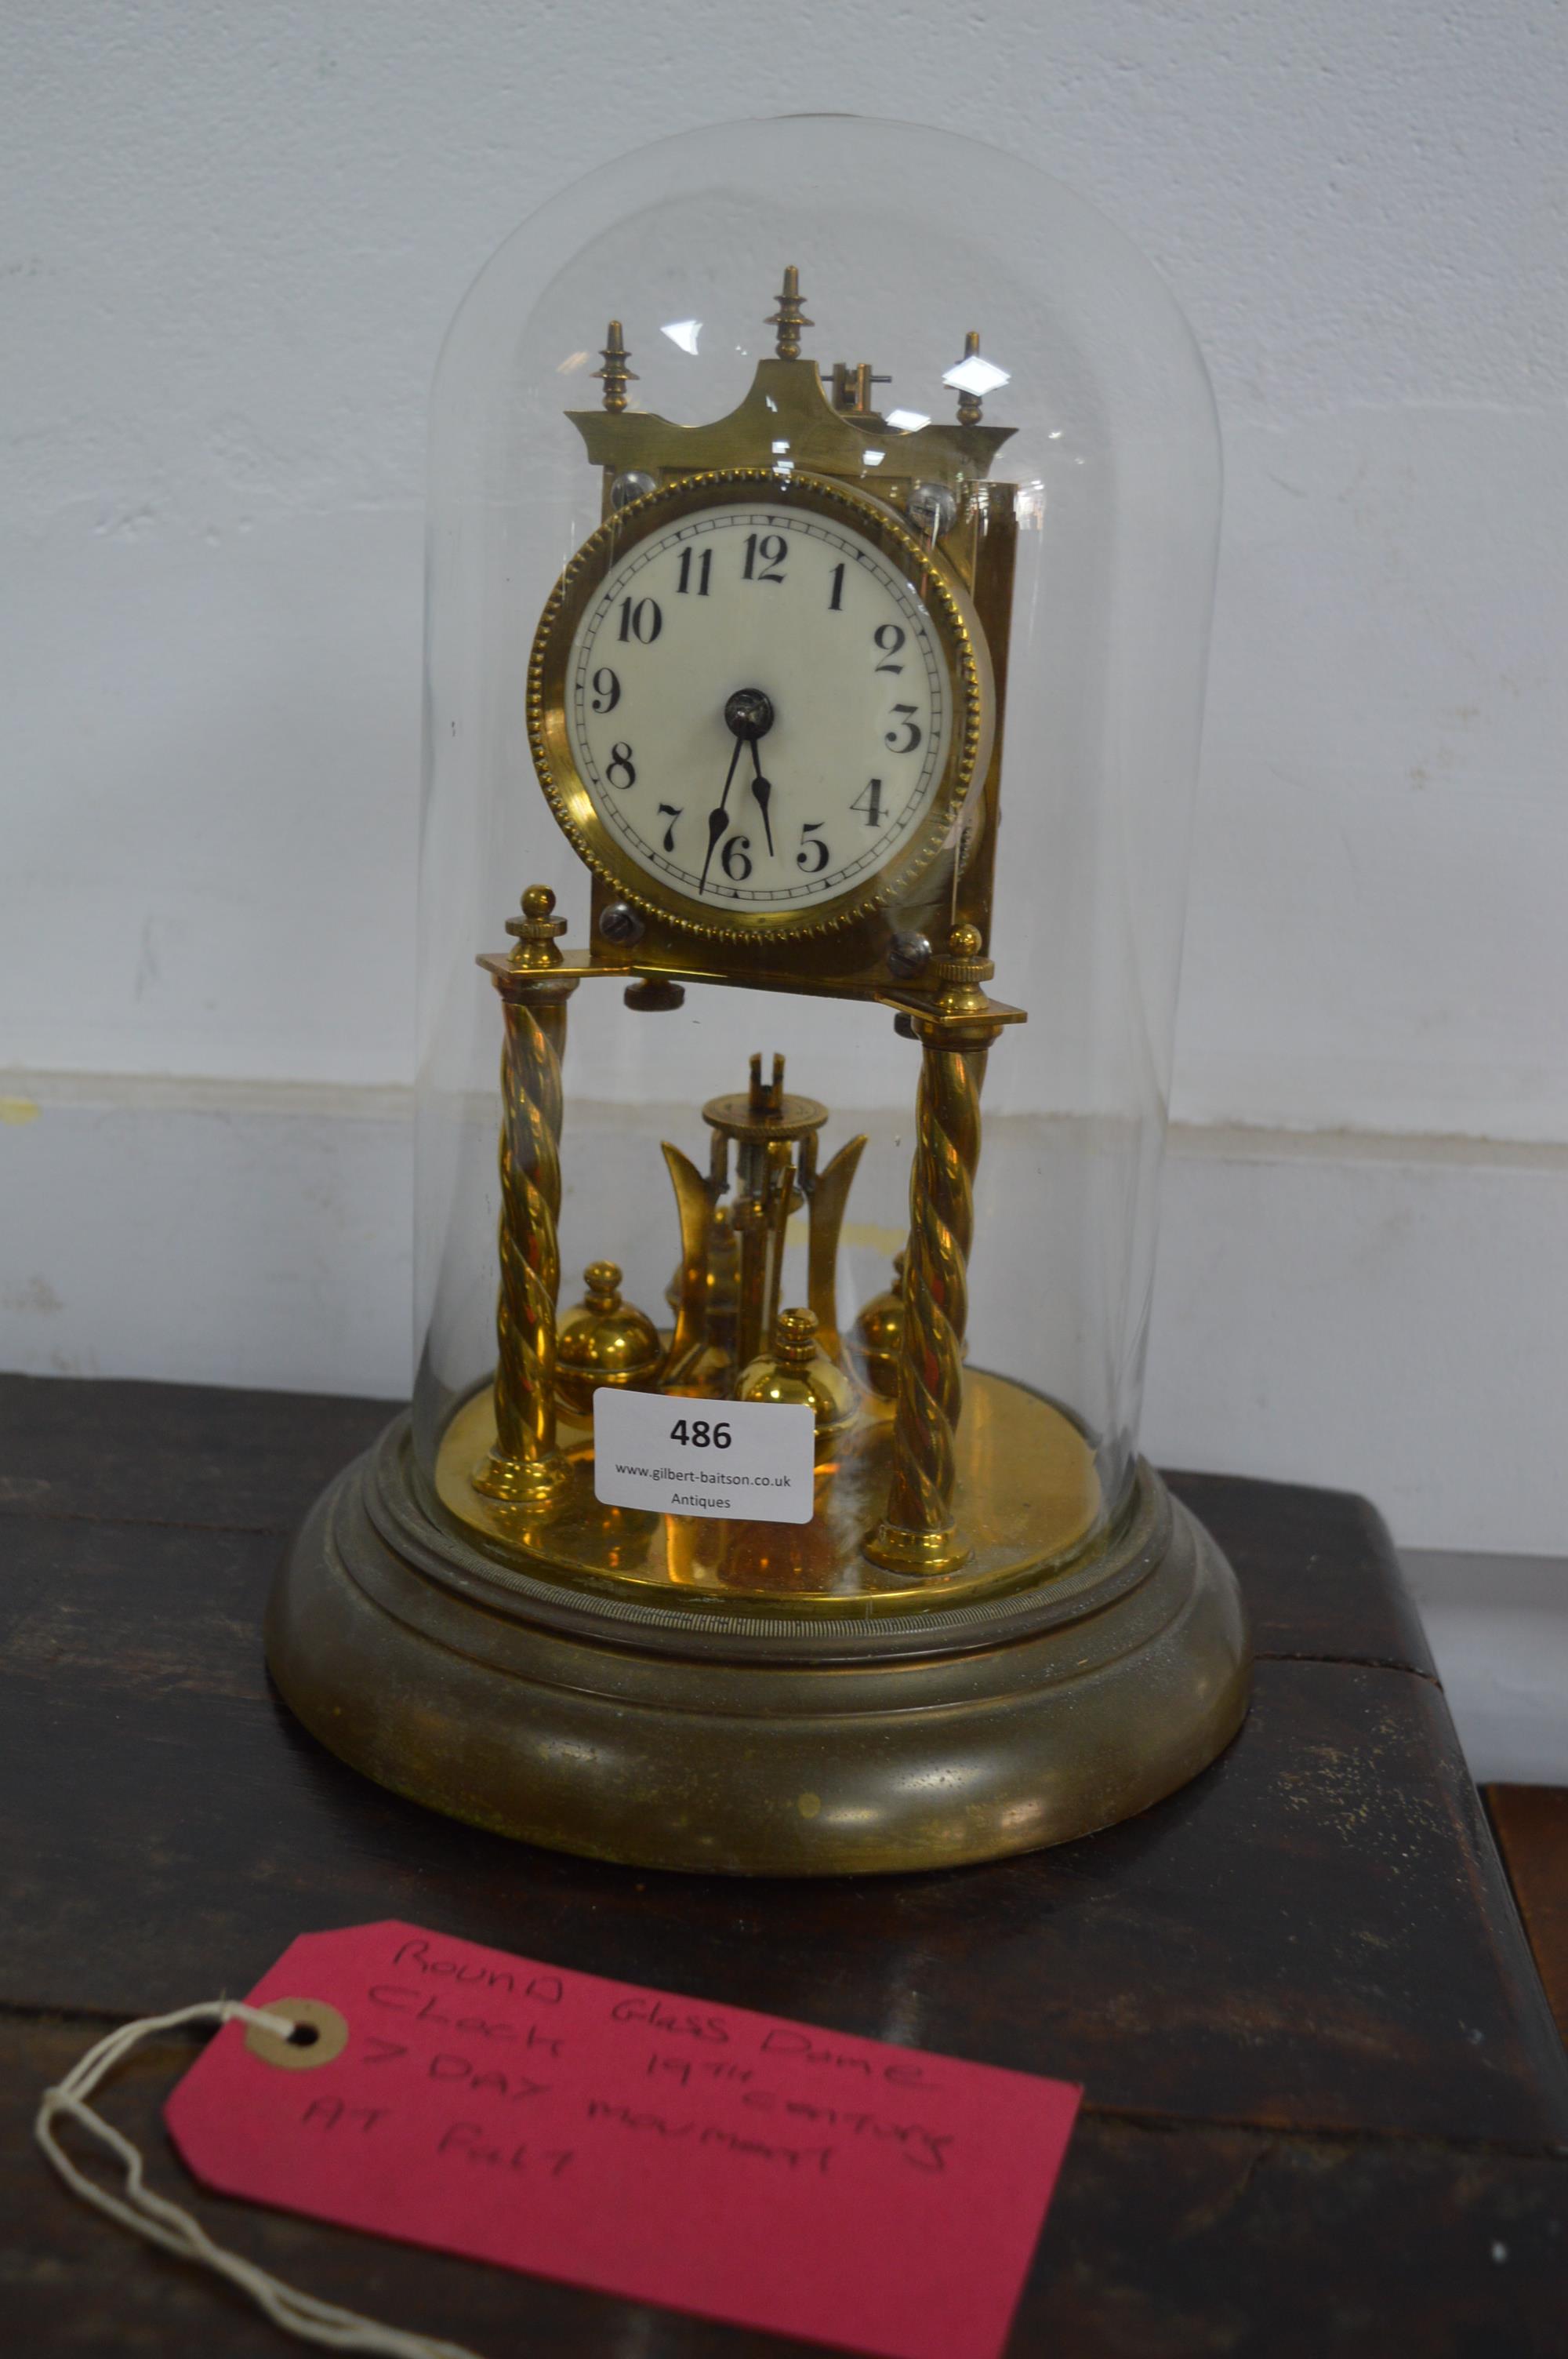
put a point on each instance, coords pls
(615, 375)
(970, 407)
(790, 317)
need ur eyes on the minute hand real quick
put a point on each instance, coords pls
(718, 817)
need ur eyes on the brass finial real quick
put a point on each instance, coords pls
(790, 317)
(970, 407)
(615, 375)
(535, 931)
(963, 972)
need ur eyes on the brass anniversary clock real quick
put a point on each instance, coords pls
(821, 738)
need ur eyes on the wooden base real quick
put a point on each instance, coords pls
(695, 1733)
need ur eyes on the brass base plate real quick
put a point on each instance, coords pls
(1027, 1496)
(684, 1729)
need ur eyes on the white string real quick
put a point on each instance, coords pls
(162, 2223)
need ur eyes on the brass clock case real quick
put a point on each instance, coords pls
(953, 621)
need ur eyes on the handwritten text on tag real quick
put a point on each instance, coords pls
(666, 2149)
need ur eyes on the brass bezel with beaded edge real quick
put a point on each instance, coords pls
(954, 624)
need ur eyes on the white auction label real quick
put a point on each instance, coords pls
(749, 1460)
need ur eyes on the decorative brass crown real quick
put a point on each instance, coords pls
(789, 419)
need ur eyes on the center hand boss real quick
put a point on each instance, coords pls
(749, 714)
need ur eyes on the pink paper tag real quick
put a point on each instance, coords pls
(663, 2148)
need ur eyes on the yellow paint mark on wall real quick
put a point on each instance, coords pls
(19, 1110)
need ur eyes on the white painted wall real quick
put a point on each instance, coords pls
(230, 236)
(234, 231)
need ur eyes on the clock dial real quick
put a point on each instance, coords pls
(760, 709)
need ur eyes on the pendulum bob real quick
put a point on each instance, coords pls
(760, 1559)
(878, 1344)
(782, 1559)
(603, 1341)
(797, 1373)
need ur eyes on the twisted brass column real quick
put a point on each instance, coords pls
(918, 1533)
(524, 1465)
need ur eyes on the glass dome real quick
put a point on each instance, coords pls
(716, 370)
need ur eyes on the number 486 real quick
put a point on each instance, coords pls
(697, 1434)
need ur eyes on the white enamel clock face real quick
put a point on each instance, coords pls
(803, 614)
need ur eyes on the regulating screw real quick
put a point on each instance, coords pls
(932, 508)
(620, 924)
(908, 954)
(631, 484)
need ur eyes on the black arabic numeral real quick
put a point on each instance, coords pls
(641, 621)
(621, 759)
(671, 811)
(734, 859)
(812, 828)
(870, 802)
(913, 732)
(889, 637)
(769, 550)
(606, 689)
(704, 572)
(836, 604)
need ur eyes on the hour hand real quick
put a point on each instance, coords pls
(762, 789)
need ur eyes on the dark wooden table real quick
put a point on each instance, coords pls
(1326, 2107)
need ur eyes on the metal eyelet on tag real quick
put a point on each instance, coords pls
(300, 2056)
